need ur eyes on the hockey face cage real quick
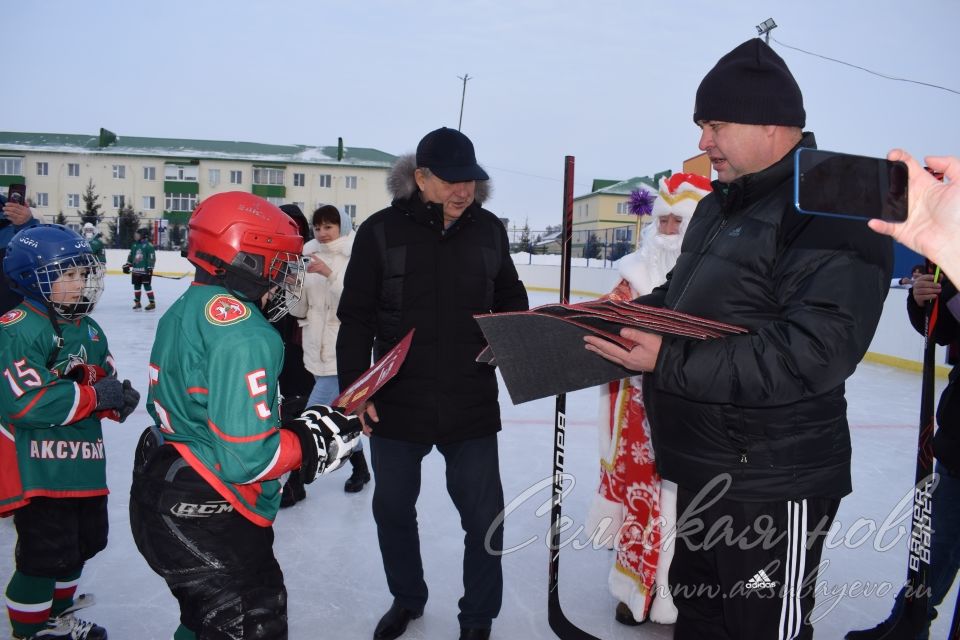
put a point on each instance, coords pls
(89, 285)
(285, 285)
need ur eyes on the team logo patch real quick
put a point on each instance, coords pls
(225, 310)
(93, 333)
(13, 316)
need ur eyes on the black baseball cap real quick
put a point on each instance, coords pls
(449, 155)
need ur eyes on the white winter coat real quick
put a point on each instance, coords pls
(317, 308)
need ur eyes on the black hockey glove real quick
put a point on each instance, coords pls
(149, 272)
(327, 438)
(126, 268)
(116, 400)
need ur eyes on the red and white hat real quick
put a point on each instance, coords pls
(680, 193)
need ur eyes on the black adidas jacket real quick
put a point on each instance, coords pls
(767, 407)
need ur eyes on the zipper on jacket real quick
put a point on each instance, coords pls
(696, 267)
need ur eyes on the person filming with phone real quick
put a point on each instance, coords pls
(753, 428)
(16, 217)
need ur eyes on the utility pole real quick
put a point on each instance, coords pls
(463, 97)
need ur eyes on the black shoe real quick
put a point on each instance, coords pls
(623, 615)
(293, 490)
(360, 475)
(394, 622)
(474, 634)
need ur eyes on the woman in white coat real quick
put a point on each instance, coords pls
(327, 256)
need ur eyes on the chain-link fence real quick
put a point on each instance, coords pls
(118, 230)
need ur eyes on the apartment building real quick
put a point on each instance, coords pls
(165, 178)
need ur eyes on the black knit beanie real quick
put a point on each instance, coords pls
(750, 85)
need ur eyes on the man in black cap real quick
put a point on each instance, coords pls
(430, 261)
(753, 428)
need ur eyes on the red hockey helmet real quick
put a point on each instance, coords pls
(253, 246)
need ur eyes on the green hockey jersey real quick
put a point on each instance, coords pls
(142, 257)
(213, 391)
(51, 442)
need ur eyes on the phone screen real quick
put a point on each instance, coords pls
(850, 186)
(17, 193)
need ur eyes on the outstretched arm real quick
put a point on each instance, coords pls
(933, 220)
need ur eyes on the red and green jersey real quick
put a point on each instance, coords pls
(142, 256)
(51, 442)
(213, 391)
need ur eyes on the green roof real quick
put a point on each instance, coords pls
(600, 183)
(179, 148)
(624, 187)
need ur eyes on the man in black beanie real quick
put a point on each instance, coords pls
(753, 428)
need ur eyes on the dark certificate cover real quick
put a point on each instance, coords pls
(541, 352)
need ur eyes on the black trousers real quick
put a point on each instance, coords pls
(219, 566)
(747, 569)
(473, 482)
(56, 536)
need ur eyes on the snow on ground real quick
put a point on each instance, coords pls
(328, 550)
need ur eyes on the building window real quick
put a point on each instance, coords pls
(118, 202)
(623, 207)
(149, 173)
(180, 201)
(73, 199)
(236, 177)
(73, 169)
(623, 234)
(350, 182)
(178, 173)
(325, 180)
(302, 205)
(43, 200)
(43, 169)
(213, 177)
(149, 203)
(11, 166)
(264, 175)
(274, 201)
(299, 180)
(351, 210)
(120, 171)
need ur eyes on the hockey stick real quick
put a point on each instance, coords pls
(179, 277)
(561, 626)
(913, 615)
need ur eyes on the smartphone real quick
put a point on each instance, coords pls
(828, 183)
(17, 193)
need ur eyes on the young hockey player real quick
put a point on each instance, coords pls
(60, 382)
(204, 496)
(95, 239)
(139, 265)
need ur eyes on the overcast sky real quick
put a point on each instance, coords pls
(609, 82)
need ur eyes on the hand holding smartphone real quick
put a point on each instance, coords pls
(849, 186)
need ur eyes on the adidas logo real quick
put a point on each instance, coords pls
(760, 580)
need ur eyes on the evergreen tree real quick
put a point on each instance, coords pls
(61, 219)
(176, 236)
(524, 245)
(91, 208)
(123, 228)
(619, 249)
(592, 247)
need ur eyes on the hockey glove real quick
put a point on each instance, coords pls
(148, 272)
(126, 268)
(115, 400)
(327, 438)
(87, 374)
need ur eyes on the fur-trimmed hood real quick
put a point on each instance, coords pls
(401, 184)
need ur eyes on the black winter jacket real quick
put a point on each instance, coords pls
(407, 272)
(946, 442)
(767, 407)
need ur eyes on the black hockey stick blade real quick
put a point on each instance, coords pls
(177, 277)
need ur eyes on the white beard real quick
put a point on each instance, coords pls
(659, 254)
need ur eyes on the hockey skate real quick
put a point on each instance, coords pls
(136, 305)
(150, 306)
(66, 626)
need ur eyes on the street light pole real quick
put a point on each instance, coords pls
(463, 97)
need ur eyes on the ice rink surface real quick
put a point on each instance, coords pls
(327, 544)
